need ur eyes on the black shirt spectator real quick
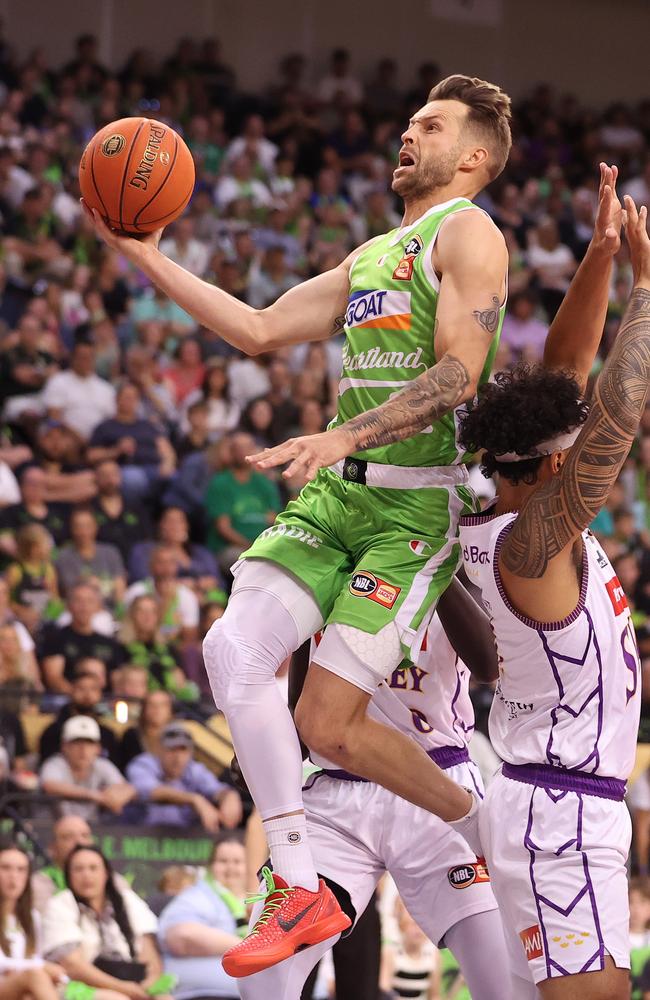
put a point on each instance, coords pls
(33, 509)
(85, 699)
(120, 524)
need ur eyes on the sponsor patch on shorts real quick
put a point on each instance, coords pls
(462, 876)
(531, 938)
(379, 591)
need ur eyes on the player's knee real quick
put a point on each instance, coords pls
(324, 734)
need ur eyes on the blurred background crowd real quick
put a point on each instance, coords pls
(125, 497)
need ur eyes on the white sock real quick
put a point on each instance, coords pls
(290, 853)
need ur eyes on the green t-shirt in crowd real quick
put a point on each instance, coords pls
(247, 505)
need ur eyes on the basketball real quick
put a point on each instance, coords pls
(138, 173)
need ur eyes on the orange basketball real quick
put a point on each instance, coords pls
(138, 173)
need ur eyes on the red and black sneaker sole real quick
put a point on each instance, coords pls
(240, 966)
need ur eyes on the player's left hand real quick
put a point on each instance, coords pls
(307, 454)
(610, 215)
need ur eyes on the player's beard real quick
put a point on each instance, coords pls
(429, 176)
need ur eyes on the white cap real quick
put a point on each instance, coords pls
(81, 727)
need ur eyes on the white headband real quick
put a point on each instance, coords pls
(559, 443)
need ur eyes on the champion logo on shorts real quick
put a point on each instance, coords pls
(531, 938)
(418, 546)
(462, 876)
(379, 591)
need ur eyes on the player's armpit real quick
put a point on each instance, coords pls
(566, 504)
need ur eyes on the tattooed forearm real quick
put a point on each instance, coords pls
(426, 398)
(337, 326)
(564, 506)
(488, 318)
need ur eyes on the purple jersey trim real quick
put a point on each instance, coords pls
(444, 757)
(531, 622)
(485, 515)
(546, 776)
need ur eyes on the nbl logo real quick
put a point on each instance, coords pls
(363, 584)
(113, 145)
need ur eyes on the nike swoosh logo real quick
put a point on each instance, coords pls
(288, 925)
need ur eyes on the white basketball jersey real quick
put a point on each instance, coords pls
(568, 693)
(429, 701)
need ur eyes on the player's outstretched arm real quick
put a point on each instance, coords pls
(576, 331)
(468, 629)
(564, 506)
(471, 256)
(313, 310)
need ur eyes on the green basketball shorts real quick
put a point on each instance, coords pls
(372, 554)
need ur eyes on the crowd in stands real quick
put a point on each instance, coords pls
(124, 492)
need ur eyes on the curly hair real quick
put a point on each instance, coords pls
(517, 411)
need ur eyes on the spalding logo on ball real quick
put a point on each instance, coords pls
(138, 173)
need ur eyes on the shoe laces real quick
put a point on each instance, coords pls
(271, 905)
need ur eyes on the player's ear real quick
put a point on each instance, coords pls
(474, 159)
(557, 461)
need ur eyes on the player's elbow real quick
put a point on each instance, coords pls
(326, 736)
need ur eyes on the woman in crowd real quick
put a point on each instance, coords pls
(196, 564)
(157, 711)
(19, 673)
(203, 921)
(31, 578)
(23, 973)
(223, 414)
(148, 648)
(103, 936)
(187, 371)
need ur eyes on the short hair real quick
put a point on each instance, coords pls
(516, 412)
(489, 113)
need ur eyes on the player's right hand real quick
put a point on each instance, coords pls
(128, 246)
(638, 241)
(610, 215)
(467, 825)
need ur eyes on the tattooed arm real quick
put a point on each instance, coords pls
(313, 310)
(566, 504)
(471, 256)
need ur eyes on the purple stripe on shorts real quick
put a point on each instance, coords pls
(444, 757)
(547, 776)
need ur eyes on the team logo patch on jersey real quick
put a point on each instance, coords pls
(404, 270)
(379, 591)
(531, 938)
(616, 595)
(378, 308)
(462, 876)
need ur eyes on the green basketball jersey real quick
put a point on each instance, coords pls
(389, 325)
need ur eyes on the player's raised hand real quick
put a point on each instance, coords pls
(611, 214)
(306, 455)
(636, 234)
(128, 246)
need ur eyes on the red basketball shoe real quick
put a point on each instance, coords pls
(292, 918)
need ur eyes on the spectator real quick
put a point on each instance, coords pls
(197, 437)
(269, 278)
(240, 503)
(156, 714)
(639, 894)
(223, 414)
(25, 975)
(552, 263)
(339, 85)
(173, 880)
(103, 935)
(85, 700)
(147, 648)
(522, 332)
(86, 782)
(241, 186)
(196, 564)
(58, 452)
(33, 509)
(85, 560)
(177, 789)
(67, 832)
(62, 647)
(179, 605)
(145, 453)
(118, 523)
(79, 397)
(202, 922)
(411, 967)
(184, 249)
(19, 674)
(24, 370)
(31, 579)
(131, 683)
(187, 372)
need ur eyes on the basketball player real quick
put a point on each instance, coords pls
(358, 830)
(566, 710)
(370, 544)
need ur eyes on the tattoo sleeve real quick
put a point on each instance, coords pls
(562, 508)
(429, 396)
